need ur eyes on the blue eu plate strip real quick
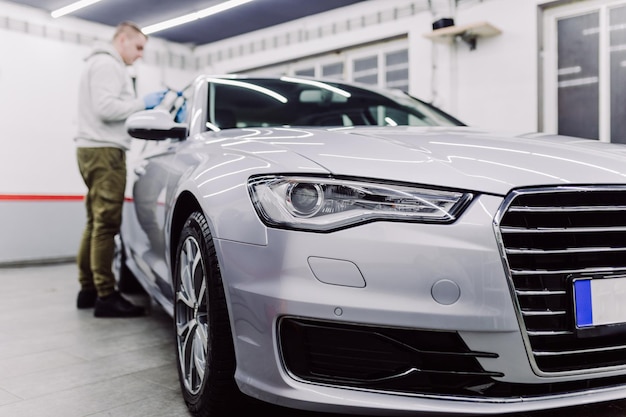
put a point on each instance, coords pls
(582, 293)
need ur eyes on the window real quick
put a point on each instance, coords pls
(385, 65)
(264, 102)
(617, 50)
(365, 70)
(584, 70)
(333, 71)
(397, 70)
(308, 72)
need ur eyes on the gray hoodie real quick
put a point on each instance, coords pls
(106, 98)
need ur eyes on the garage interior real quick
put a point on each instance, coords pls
(498, 67)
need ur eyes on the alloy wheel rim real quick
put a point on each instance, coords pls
(191, 316)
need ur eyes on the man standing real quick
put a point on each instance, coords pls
(106, 99)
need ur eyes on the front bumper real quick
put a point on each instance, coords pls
(426, 321)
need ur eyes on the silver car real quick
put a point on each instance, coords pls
(329, 247)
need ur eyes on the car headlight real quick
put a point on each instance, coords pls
(327, 204)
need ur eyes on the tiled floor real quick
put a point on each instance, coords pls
(57, 361)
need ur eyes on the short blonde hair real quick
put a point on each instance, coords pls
(128, 27)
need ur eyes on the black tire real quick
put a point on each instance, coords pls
(205, 352)
(126, 280)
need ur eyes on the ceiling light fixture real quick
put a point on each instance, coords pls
(167, 24)
(70, 8)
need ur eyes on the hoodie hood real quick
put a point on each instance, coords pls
(104, 48)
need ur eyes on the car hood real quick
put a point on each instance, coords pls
(462, 157)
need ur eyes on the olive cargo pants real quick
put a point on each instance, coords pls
(104, 173)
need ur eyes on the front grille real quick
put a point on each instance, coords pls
(550, 237)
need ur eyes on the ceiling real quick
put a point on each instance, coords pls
(248, 17)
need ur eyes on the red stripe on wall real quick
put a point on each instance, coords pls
(38, 197)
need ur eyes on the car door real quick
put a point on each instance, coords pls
(149, 165)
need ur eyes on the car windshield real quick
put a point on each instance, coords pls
(258, 102)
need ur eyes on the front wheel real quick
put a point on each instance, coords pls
(205, 352)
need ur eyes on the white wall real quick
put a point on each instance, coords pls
(38, 98)
(494, 86)
(41, 63)
(497, 82)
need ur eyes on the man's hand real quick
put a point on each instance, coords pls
(152, 100)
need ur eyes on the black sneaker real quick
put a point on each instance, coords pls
(86, 299)
(115, 305)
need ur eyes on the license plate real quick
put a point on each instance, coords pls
(599, 302)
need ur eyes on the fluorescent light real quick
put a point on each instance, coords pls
(72, 8)
(166, 24)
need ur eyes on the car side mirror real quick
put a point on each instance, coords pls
(155, 124)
